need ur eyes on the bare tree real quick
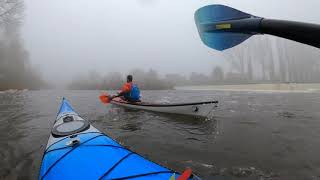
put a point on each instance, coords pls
(11, 12)
(250, 70)
(16, 72)
(217, 74)
(236, 57)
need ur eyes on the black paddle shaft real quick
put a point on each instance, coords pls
(305, 33)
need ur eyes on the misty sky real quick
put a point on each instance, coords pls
(70, 37)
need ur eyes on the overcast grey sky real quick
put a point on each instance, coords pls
(68, 37)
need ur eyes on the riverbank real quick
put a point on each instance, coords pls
(281, 87)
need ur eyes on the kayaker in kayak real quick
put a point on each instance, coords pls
(129, 91)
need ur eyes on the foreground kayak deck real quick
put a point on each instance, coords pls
(199, 109)
(77, 150)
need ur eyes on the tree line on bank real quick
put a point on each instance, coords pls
(147, 80)
(267, 59)
(15, 69)
(262, 59)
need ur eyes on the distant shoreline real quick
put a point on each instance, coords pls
(280, 87)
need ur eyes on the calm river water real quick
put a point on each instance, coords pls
(253, 135)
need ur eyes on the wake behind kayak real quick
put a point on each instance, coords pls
(77, 150)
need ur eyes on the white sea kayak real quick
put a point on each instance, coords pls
(198, 109)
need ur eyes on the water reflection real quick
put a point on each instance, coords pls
(15, 158)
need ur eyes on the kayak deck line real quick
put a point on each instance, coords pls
(165, 105)
(196, 109)
(47, 149)
(112, 146)
(91, 154)
(63, 156)
(141, 175)
(113, 167)
(116, 164)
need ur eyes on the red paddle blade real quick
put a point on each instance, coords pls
(185, 175)
(104, 98)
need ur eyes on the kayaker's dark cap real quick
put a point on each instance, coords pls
(129, 78)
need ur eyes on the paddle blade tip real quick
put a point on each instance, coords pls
(104, 98)
(186, 174)
(223, 41)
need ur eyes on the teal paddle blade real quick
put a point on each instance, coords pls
(215, 27)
